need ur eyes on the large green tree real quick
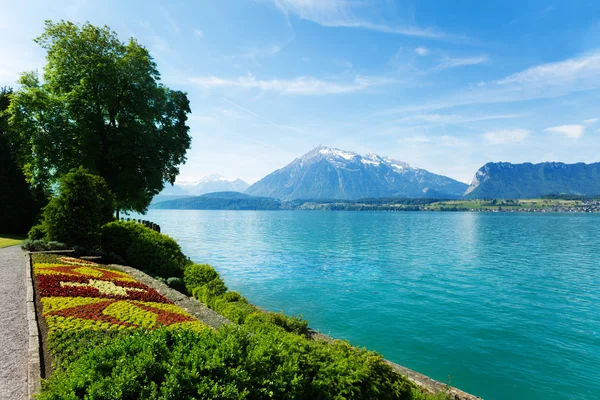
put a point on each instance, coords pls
(100, 105)
(18, 205)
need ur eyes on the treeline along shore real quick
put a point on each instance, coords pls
(240, 201)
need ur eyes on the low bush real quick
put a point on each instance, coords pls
(176, 283)
(228, 364)
(196, 275)
(117, 236)
(157, 254)
(206, 285)
(144, 249)
(292, 324)
(232, 296)
(42, 245)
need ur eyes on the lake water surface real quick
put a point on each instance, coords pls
(508, 305)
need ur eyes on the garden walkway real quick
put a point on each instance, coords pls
(14, 334)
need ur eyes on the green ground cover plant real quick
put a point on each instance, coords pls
(228, 364)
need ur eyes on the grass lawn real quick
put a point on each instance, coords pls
(7, 239)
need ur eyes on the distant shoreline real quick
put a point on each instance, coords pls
(240, 202)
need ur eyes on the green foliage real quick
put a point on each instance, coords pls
(144, 249)
(206, 285)
(76, 215)
(118, 236)
(99, 104)
(176, 283)
(156, 254)
(42, 245)
(37, 232)
(196, 275)
(67, 346)
(20, 204)
(232, 296)
(293, 324)
(228, 364)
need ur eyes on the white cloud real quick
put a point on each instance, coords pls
(456, 118)
(570, 131)
(304, 85)
(539, 82)
(453, 62)
(170, 20)
(591, 121)
(198, 33)
(422, 51)
(557, 73)
(342, 13)
(504, 136)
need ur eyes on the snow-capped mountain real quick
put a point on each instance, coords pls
(327, 173)
(208, 184)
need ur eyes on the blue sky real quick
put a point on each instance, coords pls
(443, 85)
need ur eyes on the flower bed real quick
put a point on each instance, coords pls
(78, 295)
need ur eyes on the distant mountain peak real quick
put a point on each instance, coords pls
(527, 180)
(331, 173)
(207, 184)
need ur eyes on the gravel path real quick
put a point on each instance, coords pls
(13, 325)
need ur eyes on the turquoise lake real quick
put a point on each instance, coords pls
(508, 305)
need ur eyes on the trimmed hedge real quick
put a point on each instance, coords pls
(228, 364)
(144, 248)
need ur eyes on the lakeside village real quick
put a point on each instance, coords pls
(493, 205)
(588, 206)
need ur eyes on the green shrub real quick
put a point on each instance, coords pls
(117, 236)
(157, 254)
(232, 296)
(37, 232)
(196, 275)
(292, 324)
(42, 245)
(176, 283)
(206, 285)
(144, 249)
(83, 205)
(228, 364)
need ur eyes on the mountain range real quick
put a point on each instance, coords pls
(208, 184)
(328, 173)
(526, 181)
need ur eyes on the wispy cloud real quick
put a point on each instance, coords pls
(558, 73)
(344, 13)
(570, 131)
(304, 85)
(591, 121)
(453, 62)
(539, 82)
(167, 15)
(422, 51)
(505, 136)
